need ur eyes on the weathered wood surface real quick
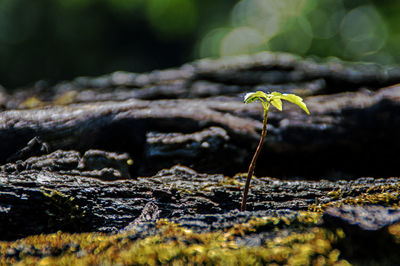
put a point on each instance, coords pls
(194, 116)
(205, 78)
(34, 201)
(98, 154)
(347, 134)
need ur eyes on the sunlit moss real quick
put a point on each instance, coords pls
(62, 210)
(177, 245)
(66, 98)
(31, 102)
(384, 195)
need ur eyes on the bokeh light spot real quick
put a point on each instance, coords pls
(262, 15)
(363, 31)
(325, 24)
(210, 44)
(242, 40)
(296, 38)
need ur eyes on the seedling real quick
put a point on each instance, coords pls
(266, 99)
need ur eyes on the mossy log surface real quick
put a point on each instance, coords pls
(36, 202)
(89, 169)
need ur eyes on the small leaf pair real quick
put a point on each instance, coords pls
(275, 98)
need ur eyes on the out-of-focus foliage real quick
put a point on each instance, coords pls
(353, 30)
(61, 39)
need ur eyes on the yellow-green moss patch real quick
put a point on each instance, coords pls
(177, 245)
(383, 195)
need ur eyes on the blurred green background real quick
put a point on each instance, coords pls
(61, 39)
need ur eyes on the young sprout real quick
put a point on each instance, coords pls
(266, 99)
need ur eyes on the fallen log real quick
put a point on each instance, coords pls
(347, 134)
(97, 155)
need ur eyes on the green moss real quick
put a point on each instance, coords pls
(66, 98)
(383, 195)
(31, 102)
(62, 210)
(176, 245)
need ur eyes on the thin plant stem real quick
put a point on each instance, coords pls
(253, 161)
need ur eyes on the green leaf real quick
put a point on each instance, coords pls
(276, 94)
(296, 100)
(253, 96)
(274, 98)
(277, 103)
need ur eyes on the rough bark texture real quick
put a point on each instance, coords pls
(98, 154)
(77, 203)
(348, 134)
